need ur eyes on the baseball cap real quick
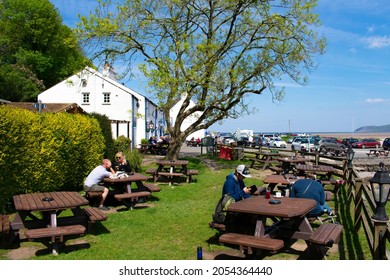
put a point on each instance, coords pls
(243, 170)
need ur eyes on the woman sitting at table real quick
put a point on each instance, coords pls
(120, 163)
(234, 184)
(309, 188)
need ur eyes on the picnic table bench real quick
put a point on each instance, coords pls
(130, 199)
(56, 234)
(94, 215)
(323, 238)
(249, 241)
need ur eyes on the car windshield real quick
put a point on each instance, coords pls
(305, 141)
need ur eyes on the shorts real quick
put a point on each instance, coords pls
(95, 188)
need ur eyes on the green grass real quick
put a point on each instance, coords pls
(176, 223)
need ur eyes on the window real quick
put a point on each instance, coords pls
(106, 97)
(85, 98)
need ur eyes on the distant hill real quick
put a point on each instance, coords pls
(374, 129)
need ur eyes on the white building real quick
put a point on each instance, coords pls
(131, 114)
(189, 120)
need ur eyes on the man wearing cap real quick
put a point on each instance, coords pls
(234, 184)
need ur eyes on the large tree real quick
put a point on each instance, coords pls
(36, 49)
(217, 52)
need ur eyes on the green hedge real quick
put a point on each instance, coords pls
(45, 152)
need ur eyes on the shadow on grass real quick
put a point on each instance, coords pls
(350, 246)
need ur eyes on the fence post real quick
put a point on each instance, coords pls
(379, 242)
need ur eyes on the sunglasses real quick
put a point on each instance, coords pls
(118, 157)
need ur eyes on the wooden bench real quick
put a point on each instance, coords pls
(217, 226)
(93, 197)
(250, 241)
(130, 199)
(153, 172)
(170, 176)
(276, 169)
(152, 187)
(323, 238)
(94, 215)
(54, 232)
(190, 173)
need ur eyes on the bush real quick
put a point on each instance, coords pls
(46, 152)
(105, 126)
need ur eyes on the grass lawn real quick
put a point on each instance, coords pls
(174, 222)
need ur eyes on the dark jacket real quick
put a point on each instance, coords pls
(234, 187)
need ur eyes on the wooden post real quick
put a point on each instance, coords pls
(379, 242)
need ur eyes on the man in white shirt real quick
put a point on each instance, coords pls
(95, 177)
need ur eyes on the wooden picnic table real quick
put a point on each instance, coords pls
(377, 152)
(157, 149)
(264, 159)
(288, 163)
(171, 169)
(50, 204)
(129, 196)
(289, 222)
(282, 181)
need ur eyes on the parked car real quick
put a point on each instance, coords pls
(386, 144)
(347, 141)
(303, 144)
(327, 145)
(366, 143)
(277, 142)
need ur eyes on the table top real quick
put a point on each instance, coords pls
(294, 160)
(279, 179)
(61, 200)
(267, 153)
(131, 178)
(312, 167)
(288, 208)
(172, 162)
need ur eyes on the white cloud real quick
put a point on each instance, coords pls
(375, 100)
(377, 42)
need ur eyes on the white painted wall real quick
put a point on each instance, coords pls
(188, 121)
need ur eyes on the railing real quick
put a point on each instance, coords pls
(360, 199)
(377, 232)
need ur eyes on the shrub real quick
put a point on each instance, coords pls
(46, 152)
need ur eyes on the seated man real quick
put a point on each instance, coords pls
(309, 188)
(234, 184)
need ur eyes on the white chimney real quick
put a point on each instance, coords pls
(108, 71)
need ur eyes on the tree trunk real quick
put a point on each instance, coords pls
(174, 148)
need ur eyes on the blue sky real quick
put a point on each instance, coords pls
(350, 87)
